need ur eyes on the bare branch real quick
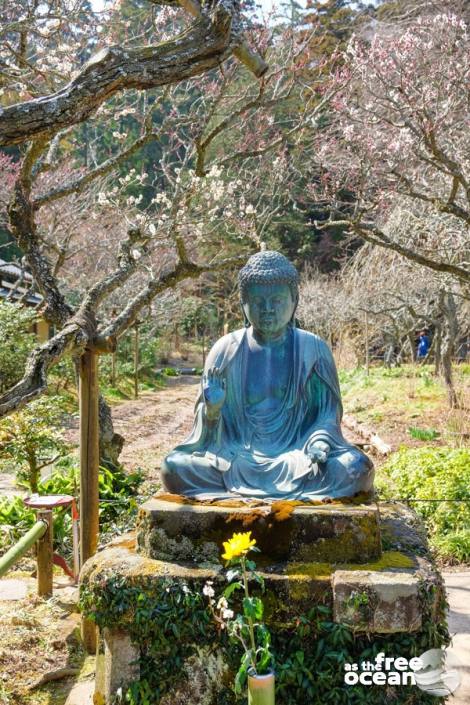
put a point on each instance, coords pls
(184, 270)
(23, 228)
(105, 168)
(373, 234)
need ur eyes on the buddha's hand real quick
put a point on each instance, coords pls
(318, 452)
(214, 390)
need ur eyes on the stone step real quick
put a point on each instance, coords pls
(192, 532)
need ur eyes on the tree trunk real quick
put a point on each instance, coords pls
(449, 310)
(438, 350)
(411, 342)
(111, 443)
(366, 333)
(33, 471)
(136, 360)
(113, 369)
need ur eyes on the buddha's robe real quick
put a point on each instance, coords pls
(259, 451)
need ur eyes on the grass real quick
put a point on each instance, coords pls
(423, 434)
(408, 404)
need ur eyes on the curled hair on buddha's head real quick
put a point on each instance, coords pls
(268, 267)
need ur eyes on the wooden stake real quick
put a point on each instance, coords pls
(44, 555)
(113, 369)
(367, 344)
(136, 361)
(89, 467)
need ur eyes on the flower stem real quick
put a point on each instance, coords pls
(250, 621)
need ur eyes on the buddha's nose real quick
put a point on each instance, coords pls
(268, 307)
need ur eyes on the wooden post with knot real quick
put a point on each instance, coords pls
(90, 457)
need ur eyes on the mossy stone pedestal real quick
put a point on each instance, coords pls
(311, 555)
(284, 531)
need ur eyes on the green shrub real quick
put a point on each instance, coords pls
(30, 439)
(430, 475)
(118, 505)
(170, 372)
(454, 546)
(17, 341)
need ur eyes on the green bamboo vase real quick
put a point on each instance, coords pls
(261, 689)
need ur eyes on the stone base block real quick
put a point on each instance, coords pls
(291, 588)
(379, 602)
(193, 532)
(117, 665)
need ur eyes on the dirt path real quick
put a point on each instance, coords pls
(155, 423)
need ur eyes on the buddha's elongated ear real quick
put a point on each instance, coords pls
(292, 321)
(246, 322)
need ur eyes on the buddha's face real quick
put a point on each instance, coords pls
(269, 308)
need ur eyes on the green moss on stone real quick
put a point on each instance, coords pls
(322, 570)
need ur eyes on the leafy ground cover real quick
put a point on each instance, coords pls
(118, 505)
(425, 477)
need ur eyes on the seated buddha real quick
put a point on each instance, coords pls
(268, 419)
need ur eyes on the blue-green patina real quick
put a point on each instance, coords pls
(267, 422)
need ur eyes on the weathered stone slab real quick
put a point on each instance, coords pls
(13, 589)
(379, 602)
(117, 665)
(81, 694)
(284, 531)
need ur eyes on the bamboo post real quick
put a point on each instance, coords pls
(44, 555)
(136, 360)
(23, 545)
(89, 467)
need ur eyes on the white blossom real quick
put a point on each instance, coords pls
(208, 590)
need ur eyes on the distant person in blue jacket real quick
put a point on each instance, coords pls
(423, 344)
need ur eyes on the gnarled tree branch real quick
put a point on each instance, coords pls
(205, 45)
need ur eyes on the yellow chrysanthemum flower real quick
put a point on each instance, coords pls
(238, 545)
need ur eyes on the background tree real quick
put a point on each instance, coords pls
(398, 132)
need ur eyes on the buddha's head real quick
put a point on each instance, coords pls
(269, 292)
